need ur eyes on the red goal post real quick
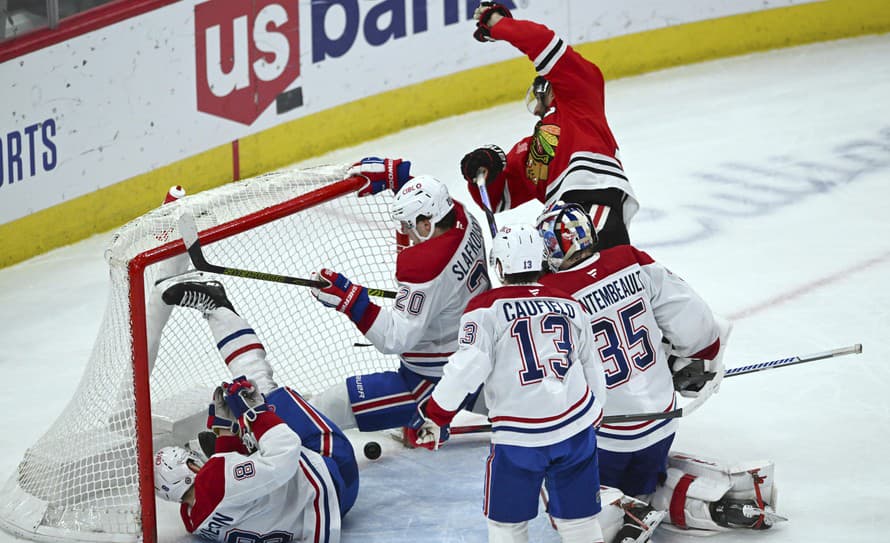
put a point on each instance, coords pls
(90, 477)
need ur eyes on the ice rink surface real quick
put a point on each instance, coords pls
(763, 180)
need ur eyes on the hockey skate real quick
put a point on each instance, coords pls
(640, 520)
(732, 513)
(195, 291)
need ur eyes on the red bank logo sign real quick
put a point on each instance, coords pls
(247, 53)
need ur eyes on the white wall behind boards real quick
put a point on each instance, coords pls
(126, 99)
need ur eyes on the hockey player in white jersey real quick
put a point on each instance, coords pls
(532, 347)
(634, 303)
(281, 470)
(437, 275)
(654, 333)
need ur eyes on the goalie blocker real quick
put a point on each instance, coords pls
(706, 494)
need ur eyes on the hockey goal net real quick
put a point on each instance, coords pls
(89, 478)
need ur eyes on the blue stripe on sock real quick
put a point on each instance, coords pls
(234, 336)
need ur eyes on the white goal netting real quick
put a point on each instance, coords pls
(81, 480)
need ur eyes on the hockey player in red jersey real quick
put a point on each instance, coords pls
(572, 154)
(280, 470)
(532, 347)
(437, 275)
(655, 335)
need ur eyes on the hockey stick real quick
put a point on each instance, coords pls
(608, 419)
(752, 368)
(693, 405)
(189, 231)
(481, 174)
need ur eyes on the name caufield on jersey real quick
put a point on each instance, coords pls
(530, 308)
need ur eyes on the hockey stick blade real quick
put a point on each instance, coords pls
(189, 231)
(481, 174)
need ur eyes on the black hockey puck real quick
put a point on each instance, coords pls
(372, 450)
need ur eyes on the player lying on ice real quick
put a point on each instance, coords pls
(280, 468)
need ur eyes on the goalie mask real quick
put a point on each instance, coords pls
(517, 249)
(422, 197)
(173, 476)
(565, 229)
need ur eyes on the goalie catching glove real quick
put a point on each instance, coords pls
(381, 173)
(483, 15)
(489, 157)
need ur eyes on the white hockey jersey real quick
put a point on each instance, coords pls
(437, 279)
(634, 303)
(282, 492)
(532, 347)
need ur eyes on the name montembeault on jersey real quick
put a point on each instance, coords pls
(603, 296)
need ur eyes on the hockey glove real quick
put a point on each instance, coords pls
(490, 157)
(423, 431)
(341, 294)
(245, 401)
(483, 14)
(692, 375)
(381, 173)
(219, 417)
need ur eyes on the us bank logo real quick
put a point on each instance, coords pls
(247, 54)
(248, 51)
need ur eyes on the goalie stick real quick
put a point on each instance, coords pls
(693, 405)
(481, 174)
(189, 231)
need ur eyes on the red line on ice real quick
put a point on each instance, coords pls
(809, 287)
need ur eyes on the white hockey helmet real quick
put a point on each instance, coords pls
(173, 476)
(517, 249)
(422, 196)
(565, 229)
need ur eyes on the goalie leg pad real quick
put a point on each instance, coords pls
(625, 519)
(611, 518)
(740, 476)
(694, 484)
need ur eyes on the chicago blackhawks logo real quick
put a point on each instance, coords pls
(540, 151)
